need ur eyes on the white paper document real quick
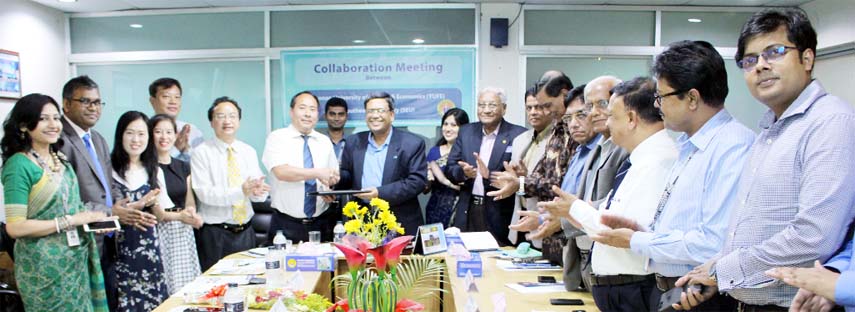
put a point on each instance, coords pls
(479, 241)
(537, 288)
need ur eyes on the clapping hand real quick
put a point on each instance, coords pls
(560, 206)
(506, 182)
(816, 283)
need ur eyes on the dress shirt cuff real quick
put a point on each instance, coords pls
(640, 242)
(586, 216)
(838, 265)
(844, 291)
(260, 198)
(728, 272)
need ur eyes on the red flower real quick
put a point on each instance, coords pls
(355, 258)
(340, 304)
(407, 305)
(379, 257)
(393, 249)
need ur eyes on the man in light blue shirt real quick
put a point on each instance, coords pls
(691, 218)
(576, 119)
(387, 163)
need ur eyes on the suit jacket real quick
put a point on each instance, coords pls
(520, 145)
(91, 190)
(468, 142)
(576, 268)
(404, 174)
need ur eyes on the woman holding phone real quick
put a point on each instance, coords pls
(57, 266)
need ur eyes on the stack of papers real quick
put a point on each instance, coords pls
(479, 241)
(537, 288)
(238, 267)
(535, 266)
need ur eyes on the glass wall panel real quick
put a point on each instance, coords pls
(583, 69)
(371, 27)
(739, 101)
(125, 87)
(565, 27)
(167, 32)
(719, 28)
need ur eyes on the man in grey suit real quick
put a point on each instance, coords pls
(598, 175)
(89, 155)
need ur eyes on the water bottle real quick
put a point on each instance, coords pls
(279, 240)
(233, 300)
(274, 270)
(338, 232)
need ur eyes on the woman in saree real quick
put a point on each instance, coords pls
(56, 263)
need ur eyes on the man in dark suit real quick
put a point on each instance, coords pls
(89, 155)
(389, 163)
(480, 148)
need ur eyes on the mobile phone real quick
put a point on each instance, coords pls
(673, 296)
(565, 301)
(546, 279)
(112, 225)
(255, 280)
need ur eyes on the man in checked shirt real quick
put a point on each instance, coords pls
(794, 199)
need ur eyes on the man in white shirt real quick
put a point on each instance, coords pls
(619, 280)
(301, 160)
(226, 178)
(165, 98)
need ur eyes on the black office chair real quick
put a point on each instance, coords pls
(261, 221)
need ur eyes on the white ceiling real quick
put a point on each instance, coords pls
(121, 5)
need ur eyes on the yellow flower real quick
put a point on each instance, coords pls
(350, 209)
(353, 226)
(361, 211)
(386, 215)
(380, 204)
(400, 230)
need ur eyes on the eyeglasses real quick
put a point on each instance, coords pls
(771, 54)
(579, 115)
(657, 98)
(88, 102)
(376, 111)
(224, 117)
(598, 104)
(492, 106)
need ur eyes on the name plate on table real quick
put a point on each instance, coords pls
(473, 265)
(305, 263)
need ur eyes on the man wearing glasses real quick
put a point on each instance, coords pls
(794, 199)
(226, 179)
(88, 153)
(482, 147)
(691, 217)
(388, 163)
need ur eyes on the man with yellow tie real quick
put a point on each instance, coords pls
(226, 178)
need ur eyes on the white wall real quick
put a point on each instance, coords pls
(832, 20)
(37, 33)
(500, 67)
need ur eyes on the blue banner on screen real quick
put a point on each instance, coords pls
(425, 82)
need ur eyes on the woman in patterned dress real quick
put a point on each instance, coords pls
(177, 242)
(443, 198)
(139, 268)
(57, 265)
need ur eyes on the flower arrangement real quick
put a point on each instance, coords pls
(373, 230)
(374, 226)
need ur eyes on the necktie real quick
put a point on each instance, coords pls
(621, 173)
(235, 180)
(309, 186)
(108, 198)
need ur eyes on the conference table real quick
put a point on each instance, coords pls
(456, 296)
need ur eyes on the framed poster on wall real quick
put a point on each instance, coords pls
(10, 74)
